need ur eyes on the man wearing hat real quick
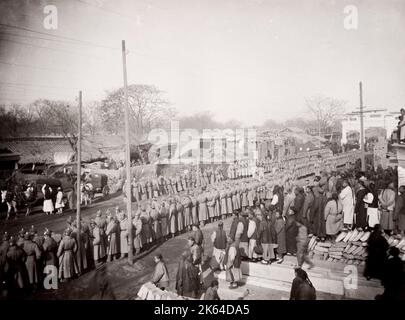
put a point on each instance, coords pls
(232, 263)
(234, 225)
(112, 232)
(198, 235)
(360, 209)
(137, 230)
(387, 203)
(219, 241)
(3, 256)
(195, 251)
(99, 250)
(33, 255)
(21, 240)
(123, 229)
(241, 235)
(17, 273)
(30, 198)
(50, 248)
(68, 267)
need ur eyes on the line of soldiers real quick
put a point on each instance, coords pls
(23, 258)
(148, 188)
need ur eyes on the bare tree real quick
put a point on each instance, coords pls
(59, 117)
(148, 110)
(92, 122)
(325, 110)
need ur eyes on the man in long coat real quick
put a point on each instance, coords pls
(224, 204)
(194, 208)
(112, 232)
(232, 262)
(68, 267)
(137, 231)
(202, 209)
(123, 222)
(99, 248)
(219, 241)
(399, 214)
(360, 209)
(347, 198)
(180, 215)
(16, 274)
(187, 278)
(33, 255)
(172, 218)
(211, 205)
(156, 223)
(241, 235)
(188, 219)
(164, 215)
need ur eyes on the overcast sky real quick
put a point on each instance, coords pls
(248, 60)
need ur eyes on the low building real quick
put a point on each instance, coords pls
(373, 120)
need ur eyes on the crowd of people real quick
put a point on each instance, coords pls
(272, 217)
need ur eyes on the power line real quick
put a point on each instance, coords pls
(34, 67)
(88, 43)
(106, 10)
(37, 85)
(49, 48)
(22, 92)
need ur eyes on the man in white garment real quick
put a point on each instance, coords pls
(347, 198)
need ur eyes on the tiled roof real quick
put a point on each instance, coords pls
(42, 149)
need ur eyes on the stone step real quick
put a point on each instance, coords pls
(280, 277)
(253, 284)
(328, 269)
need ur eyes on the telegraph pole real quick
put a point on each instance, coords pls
(127, 159)
(363, 157)
(79, 169)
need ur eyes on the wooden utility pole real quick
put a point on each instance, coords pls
(363, 157)
(79, 169)
(127, 159)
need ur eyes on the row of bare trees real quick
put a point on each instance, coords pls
(148, 109)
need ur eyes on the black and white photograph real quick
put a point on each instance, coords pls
(219, 151)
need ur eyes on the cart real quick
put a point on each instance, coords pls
(100, 183)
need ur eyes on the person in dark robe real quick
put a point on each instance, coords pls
(307, 207)
(112, 232)
(4, 245)
(298, 204)
(187, 277)
(268, 238)
(393, 276)
(279, 227)
(302, 246)
(360, 209)
(232, 261)
(198, 235)
(212, 291)
(318, 216)
(234, 225)
(399, 212)
(50, 248)
(160, 276)
(377, 247)
(103, 286)
(33, 256)
(290, 235)
(16, 275)
(68, 267)
(302, 288)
